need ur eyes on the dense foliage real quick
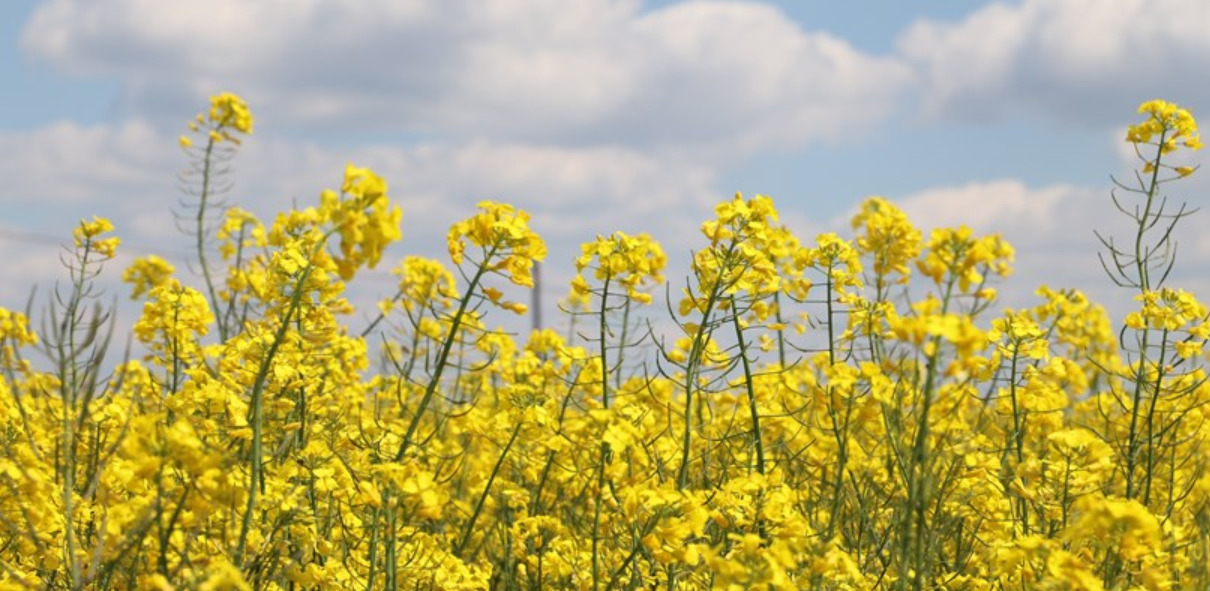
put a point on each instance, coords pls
(805, 422)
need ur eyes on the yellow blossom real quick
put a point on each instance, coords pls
(146, 273)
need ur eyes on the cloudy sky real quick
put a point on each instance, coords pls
(598, 115)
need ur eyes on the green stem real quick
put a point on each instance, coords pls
(1151, 443)
(1140, 261)
(695, 355)
(751, 390)
(602, 327)
(1018, 437)
(840, 429)
(470, 525)
(1132, 438)
(914, 534)
(442, 357)
(201, 237)
(257, 400)
(694, 362)
(70, 382)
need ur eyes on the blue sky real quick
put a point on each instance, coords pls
(598, 115)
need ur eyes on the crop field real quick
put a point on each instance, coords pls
(800, 412)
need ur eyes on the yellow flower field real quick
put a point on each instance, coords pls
(832, 412)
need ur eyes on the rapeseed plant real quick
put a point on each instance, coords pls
(811, 423)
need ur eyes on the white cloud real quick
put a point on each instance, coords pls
(995, 206)
(715, 76)
(65, 172)
(595, 115)
(29, 262)
(66, 163)
(1052, 229)
(1070, 60)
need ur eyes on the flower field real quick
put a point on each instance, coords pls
(834, 412)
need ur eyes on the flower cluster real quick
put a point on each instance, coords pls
(88, 237)
(1167, 128)
(502, 234)
(1173, 125)
(956, 254)
(364, 219)
(906, 437)
(888, 237)
(228, 115)
(738, 259)
(633, 262)
(147, 273)
(174, 318)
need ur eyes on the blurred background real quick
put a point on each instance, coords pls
(601, 115)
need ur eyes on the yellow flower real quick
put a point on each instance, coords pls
(516, 308)
(1136, 533)
(837, 259)
(173, 318)
(96, 227)
(956, 254)
(424, 282)
(1168, 121)
(15, 326)
(240, 230)
(228, 115)
(1188, 349)
(888, 236)
(223, 576)
(146, 273)
(741, 255)
(503, 235)
(364, 218)
(229, 110)
(634, 262)
(1167, 309)
(87, 233)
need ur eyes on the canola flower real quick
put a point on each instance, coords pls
(204, 181)
(87, 237)
(633, 262)
(147, 273)
(906, 436)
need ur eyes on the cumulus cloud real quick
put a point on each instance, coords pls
(594, 114)
(65, 172)
(66, 163)
(1083, 61)
(717, 76)
(30, 260)
(1052, 229)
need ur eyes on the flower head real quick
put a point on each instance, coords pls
(87, 236)
(364, 218)
(228, 110)
(228, 118)
(146, 273)
(632, 261)
(503, 234)
(1168, 121)
(958, 253)
(742, 254)
(888, 237)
